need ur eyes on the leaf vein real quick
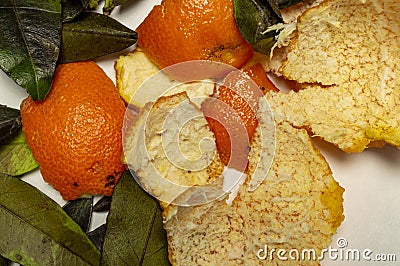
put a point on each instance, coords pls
(22, 219)
(43, 233)
(114, 34)
(30, 8)
(153, 218)
(18, 19)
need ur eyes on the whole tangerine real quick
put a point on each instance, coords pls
(75, 134)
(178, 31)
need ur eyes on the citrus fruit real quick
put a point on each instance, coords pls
(75, 134)
(177, 31)
(232, 115)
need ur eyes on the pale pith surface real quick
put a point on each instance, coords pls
(298, 206)
(345, 56)
(140, 81)
(170, 147)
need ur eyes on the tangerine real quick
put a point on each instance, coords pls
(177, 31)
(75, 134)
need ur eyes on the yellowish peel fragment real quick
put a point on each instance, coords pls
(299, 206)
(344, 56)
(140, 81)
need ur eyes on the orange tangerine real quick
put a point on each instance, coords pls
(177, 31)
(75, 133)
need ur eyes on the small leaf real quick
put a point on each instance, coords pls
(97, 236)
(10, 122)
(36, 231)
(4, 261)
(94, 35)
(29, 43)
(80, 210)
(103, 204)
(287, 3)
(135, 231)
(72, 8)
(16, 157)
(253, 17)
(111, 4)
(93, 3)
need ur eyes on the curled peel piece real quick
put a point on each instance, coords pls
(298, 205)
(172, 151)
(348, 72)
(267, 139)
(171, 148)
(140, 81)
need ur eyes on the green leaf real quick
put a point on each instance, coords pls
(135, 231)
(72, 8)
(36, 231)
(93, 3)
(10, 122)
(3, 261)
(94, 35)
(287, 3)
(16, 157)
(111, 4)
(80, 210)
(97, 236)
(253, 17)
(29, 43)
(103, 204)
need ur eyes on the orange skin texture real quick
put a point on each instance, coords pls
(178, 31)
(257, 73)
(232, 115)
(75, 134)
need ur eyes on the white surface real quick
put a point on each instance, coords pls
(371, 179)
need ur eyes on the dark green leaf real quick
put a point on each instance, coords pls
(72, 8)
(80, 210)
(103, 204)
(287, 3)
(3, 261)
(29, 43)
(10, 122)
(16, 157)
(111, 4)
(135, 231)
(94, 35)
(97, 236)
(36, 231)
(253, 17)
